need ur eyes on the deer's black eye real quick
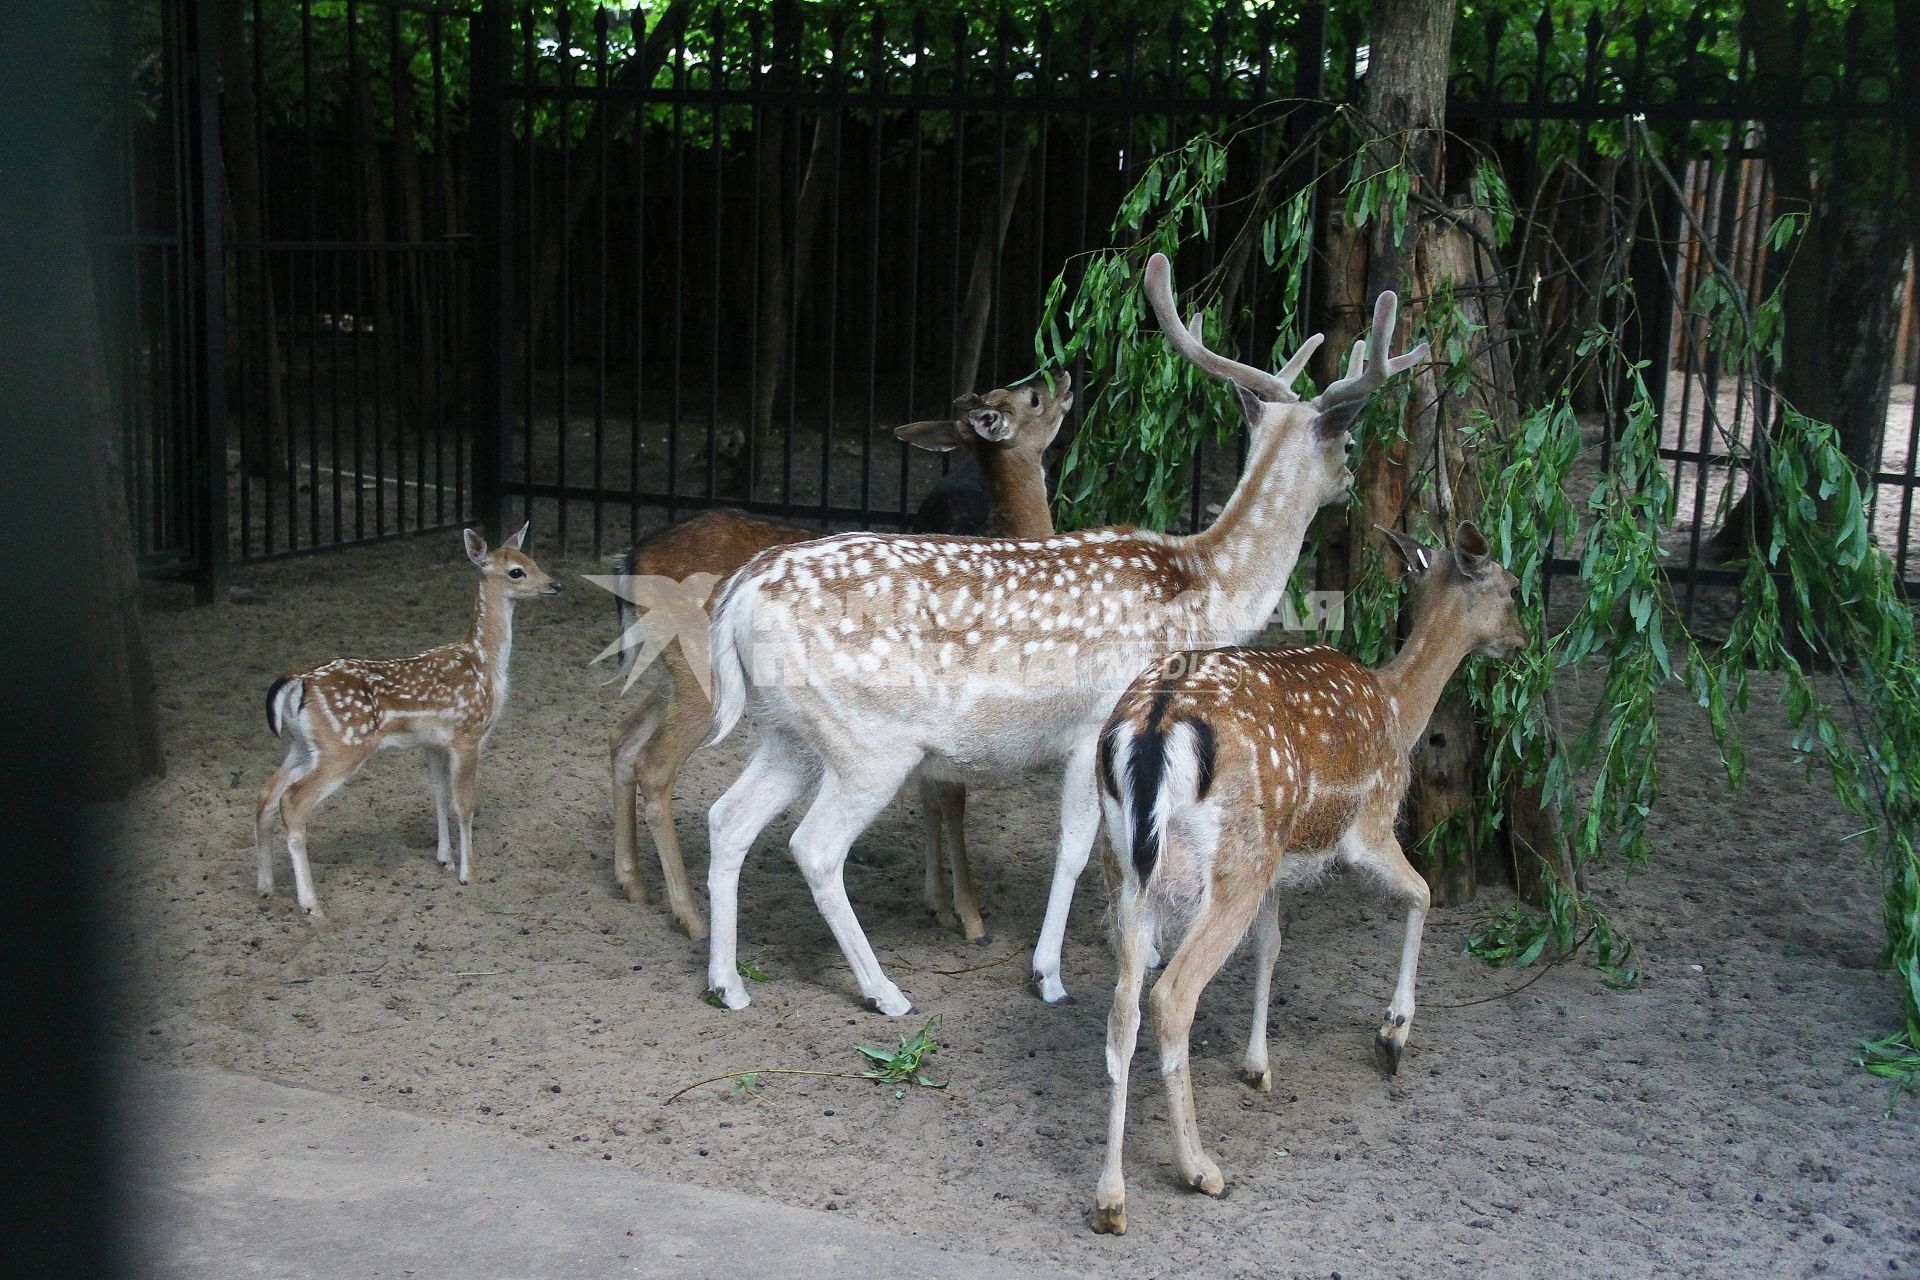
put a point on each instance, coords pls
(1515, 593)
(1034, 399)
(516, 572)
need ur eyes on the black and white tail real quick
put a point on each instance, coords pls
(1148, 772)
(283, 703)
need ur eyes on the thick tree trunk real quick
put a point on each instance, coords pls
(978, 304)
(1424, 475)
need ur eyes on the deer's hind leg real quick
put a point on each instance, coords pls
(623, 755)
(440, 782)
(954, 904)
(1209, 940)
(688, 720)
(331, 768)
(266, 814)
(1255, 1069)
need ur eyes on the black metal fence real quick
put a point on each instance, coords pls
(598, 267)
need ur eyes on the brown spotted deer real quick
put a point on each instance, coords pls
(864, 657)
(1230, 776)
(1005, 433)
(334, 716)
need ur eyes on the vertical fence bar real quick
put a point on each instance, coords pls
(493, 226)
(208, 523)
(601, 22)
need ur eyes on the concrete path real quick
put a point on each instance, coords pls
(236, 1177)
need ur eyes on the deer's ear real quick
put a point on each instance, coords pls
(1416, 555)
(1250, 403)
(519, 539)
(1470, 550)
(476, 548)
(990, 424)
(938, 436)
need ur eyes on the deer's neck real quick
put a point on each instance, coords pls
(1016, 494)
(1417, 675)
(1246, 558)
(492, 632)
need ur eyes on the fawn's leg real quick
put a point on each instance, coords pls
(841, 811)
(267, 813)
(1267, 950)
(774, 776)
(440, 781)
(329, 771)
(1209, 941)
(463, 766)
(1123, 1033)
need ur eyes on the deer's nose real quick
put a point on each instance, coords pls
(553, 589)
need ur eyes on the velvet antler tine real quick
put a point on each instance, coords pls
(1186, 341)
(1291, 370)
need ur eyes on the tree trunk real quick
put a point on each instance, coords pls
(1424, 475)
(978, 304)
(787, 275)
(266, 402)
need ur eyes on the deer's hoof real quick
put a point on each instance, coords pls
(1388, 1048)
(1110, 1220)
(984, 940)
(1050, 989)
(1261, 1079)
(1208, 1180)
(893, 1003)
(733, 997)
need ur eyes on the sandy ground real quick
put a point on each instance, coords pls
(1708, 1123)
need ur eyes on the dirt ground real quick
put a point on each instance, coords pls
(1709, 1123)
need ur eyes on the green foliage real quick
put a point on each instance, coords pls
(1149, 408)
(904, 1066)
(1814, 582)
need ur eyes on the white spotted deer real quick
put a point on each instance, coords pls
(1004, 433)
(334, 716)
(865, 657)
(1230, 776)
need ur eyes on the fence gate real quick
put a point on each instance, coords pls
(287, 273)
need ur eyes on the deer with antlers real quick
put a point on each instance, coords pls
(1005, 433)
(334, 716)
(865, 657)
(1229, 776)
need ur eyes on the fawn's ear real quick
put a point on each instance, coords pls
(1470, 551)
(476, 548)
(519, 539)
(1416, 555)
(938, 436)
